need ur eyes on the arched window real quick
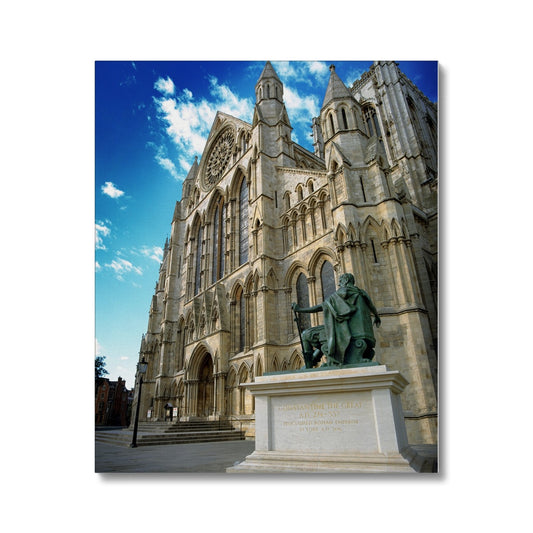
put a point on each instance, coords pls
(344, 120)
(300, 193)
(331, 125)
(302, 296)
(216, 245)
(198, 273)
(241, 319)
(327, 277)
(371, 121)
(243, 223)
(287, 201)
(181, 344)
(219, 242)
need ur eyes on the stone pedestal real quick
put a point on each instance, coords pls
(348, 420)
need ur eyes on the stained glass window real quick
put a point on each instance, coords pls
(327, 277)
(242, 321)
(198, 274)
(302, 295)
(371, 119)
(216, 238)
(243, 223)
(219, 242)
(222, 240)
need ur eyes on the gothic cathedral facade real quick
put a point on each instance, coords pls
(263, 222)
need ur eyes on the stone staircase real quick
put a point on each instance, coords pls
(157, 433)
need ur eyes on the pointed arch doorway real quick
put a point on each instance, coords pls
(206, 396)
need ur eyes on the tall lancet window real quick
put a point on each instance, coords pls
(371, 121)
(219, 242)
(222, 263)
(243, 223)
(302, 295)
(198, 273)
(241, 320)
(327, 277)
(344, 120)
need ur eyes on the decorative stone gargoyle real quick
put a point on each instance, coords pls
(347, 336)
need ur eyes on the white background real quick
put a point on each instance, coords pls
(47, 215)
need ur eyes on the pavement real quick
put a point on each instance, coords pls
(206, 457)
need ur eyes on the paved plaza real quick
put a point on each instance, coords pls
(206, 457)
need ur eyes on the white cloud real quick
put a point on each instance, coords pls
(353, 75)
(301, 71)
(167, 164)
(110, 190)
(300, 105)
(122, 266)
(301, 110)
(318, 68)
(165, 86)
(164, 161)
(124, 358)
(154, 252)
(97, 348)
(97, 266)
(101, 231)
(189, 119)
(230, 103)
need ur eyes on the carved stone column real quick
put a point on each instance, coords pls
(220, 387)
(192, 396)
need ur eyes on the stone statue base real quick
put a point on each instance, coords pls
(346, 420)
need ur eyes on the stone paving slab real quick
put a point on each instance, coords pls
(207, 457)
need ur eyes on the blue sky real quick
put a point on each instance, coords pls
(151, 120)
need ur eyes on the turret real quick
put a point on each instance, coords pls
(271, 115)
(269, 94)
(340, 120)
(188, 183)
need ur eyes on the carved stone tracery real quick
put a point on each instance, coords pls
(219, 157)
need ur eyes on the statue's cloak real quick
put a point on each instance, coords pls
(346, 317)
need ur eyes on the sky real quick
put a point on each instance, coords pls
(151, 119)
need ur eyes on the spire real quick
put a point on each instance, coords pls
(194, 169)
(336, 88)
(268, 72)
(268, 85)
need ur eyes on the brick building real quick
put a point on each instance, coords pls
(112, 403)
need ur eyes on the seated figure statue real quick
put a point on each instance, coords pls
(347, 336)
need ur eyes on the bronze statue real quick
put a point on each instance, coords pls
(347, 336)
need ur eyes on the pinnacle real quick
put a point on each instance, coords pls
(268, 72)
(336, 88)
(194, 169)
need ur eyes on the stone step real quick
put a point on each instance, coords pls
(124, 437)
(184, 426)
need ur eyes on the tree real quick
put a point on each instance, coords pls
(99, 368)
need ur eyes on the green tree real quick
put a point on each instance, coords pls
(99, 368)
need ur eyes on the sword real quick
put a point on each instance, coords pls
(299, 330)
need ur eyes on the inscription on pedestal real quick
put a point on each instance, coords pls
(339, 422)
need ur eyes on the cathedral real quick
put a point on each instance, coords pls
(263, 222)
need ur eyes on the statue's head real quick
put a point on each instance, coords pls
(346, 279)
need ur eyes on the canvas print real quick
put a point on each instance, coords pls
(266, 266)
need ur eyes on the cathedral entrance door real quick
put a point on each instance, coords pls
(206, 396)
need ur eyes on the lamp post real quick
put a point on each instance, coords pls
(141, 370)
